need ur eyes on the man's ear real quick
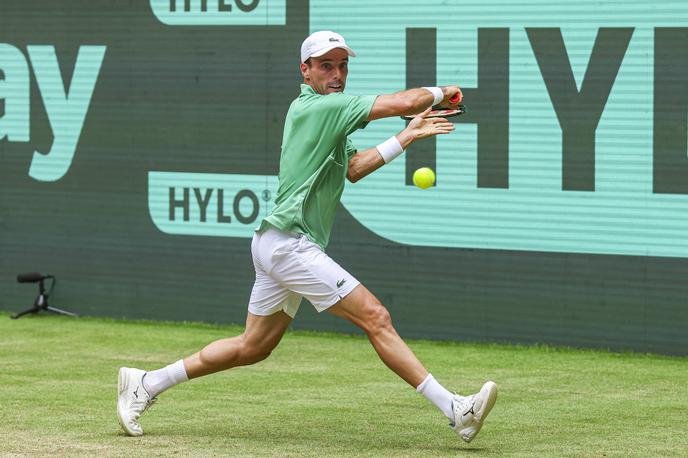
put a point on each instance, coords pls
(305, 71)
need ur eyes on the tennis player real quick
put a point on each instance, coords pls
(288, 248)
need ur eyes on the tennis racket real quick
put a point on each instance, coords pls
(441, 112)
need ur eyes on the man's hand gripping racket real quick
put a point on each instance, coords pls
(455, 109)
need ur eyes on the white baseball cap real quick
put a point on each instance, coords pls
(319, 43)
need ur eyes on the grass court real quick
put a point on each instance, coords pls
(328, 395)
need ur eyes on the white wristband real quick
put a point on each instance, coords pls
(437, 92)
(389, 149)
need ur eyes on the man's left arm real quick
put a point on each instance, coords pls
(365, 162)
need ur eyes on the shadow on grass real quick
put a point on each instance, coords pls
(284, 439)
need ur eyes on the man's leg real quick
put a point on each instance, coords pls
(364, 310)
(261, 336)
(138, 389)
(466, 413)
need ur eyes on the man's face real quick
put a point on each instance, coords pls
(327, 73)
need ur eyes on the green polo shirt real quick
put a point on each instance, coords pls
(314, 161)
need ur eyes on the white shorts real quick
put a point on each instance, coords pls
(290, 267)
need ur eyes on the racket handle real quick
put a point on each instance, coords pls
(455, 98)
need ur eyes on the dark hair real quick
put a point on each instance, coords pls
(308, 62)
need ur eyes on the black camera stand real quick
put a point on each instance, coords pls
(41, 302)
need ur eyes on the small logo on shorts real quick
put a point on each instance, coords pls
(341, 282)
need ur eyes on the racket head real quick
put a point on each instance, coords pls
(439, 112)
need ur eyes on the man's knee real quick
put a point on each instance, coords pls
(377, 319)
(255, 355)
(253, 351)
(237, 351)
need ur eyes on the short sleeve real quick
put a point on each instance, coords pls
(352, 110)
(356, 111)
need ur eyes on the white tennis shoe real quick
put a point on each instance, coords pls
(132, 400)
(470, 411)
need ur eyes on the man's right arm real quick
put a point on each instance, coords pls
(409, 102)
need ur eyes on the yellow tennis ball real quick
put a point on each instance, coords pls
(424, 177)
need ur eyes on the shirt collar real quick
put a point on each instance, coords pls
(306, 89)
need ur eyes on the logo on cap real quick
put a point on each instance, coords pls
(334, 39)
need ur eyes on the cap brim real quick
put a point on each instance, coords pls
(330, 48)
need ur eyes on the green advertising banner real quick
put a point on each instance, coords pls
(209, 204)
(140, 142)
(557, 151)
(222, 12)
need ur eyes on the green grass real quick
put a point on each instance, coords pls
(328, 395)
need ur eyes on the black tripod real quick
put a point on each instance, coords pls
(41, 302)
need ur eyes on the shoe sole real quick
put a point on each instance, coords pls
(488, 390)
(122, 386)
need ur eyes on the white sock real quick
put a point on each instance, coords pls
(155, 382)
(437, 394)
